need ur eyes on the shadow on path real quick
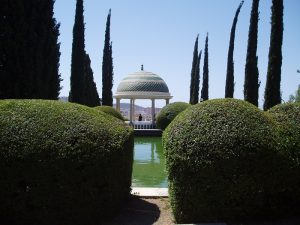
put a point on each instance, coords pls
(137, 212)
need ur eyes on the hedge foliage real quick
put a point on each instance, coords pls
(224, 165)
(110, 110)
(288, 118)
(61, 163)
(169, 112)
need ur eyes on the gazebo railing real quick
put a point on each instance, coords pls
(143, 125)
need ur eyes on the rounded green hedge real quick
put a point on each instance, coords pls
(61, 163)
(223, 163)
(288, 118)
(110, 110)
(169, 112)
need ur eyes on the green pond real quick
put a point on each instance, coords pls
(149, 163)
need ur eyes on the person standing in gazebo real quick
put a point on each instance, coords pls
(140, 117)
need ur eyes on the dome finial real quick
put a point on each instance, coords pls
(142, 67)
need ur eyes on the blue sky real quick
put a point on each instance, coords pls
(161, 33)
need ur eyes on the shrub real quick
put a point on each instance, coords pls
(110, 110)
(169, 112)
(223, 164)
(61, 163)
(288, 118)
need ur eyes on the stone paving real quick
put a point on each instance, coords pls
(150, 192)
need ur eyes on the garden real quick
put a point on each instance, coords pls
(226, 161)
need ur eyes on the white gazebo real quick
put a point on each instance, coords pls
(142, 85)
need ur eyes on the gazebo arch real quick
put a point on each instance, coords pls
(142, 85)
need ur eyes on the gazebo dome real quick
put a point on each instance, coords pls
(143, 85)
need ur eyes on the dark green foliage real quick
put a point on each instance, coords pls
(194, 89)
(229, 87)
(78, 57)
(197, 79)
(251, 85)
(91, 97)
(204, 90)
(111, 111)
(107, 67)
(29, 50)
(61, 163)
(169, 112)
(83, 88)
(288, 118)
(223, 164)
(272, 91)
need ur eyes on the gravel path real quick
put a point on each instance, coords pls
(145, 211)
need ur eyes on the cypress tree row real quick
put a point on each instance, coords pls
(251, 85)
(193, 73)
(29, 51)
(107, 67)
(204, 90)
(78, 57)
(90, 89)
(272, 90)
(229, 87)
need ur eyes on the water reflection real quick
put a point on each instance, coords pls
(149, 163)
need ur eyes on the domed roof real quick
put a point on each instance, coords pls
(143, 84)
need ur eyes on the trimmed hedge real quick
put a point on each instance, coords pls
(61, 163)
(223, 164)
(288, 118)
(169, 112)
(111, 111)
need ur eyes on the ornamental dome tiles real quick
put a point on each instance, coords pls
(143, 84)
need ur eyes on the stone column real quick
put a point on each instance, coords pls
(118, 104)
(130, 117)
(167, 101)
(153, 112)
(133, 109)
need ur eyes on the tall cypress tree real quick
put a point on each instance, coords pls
(204, 90)
(49, 51)
(90, 89)
(272, 90)
(193, 73)
(251, 85)
(15, 77)
(229, 87)
(107, 67)
(29, 52)
(197, 79)
(78, 57)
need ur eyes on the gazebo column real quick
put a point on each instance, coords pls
(131, 109)
(118, 104)
(153, 111)
(167, 101)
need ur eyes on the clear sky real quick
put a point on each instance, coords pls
(161, 33)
